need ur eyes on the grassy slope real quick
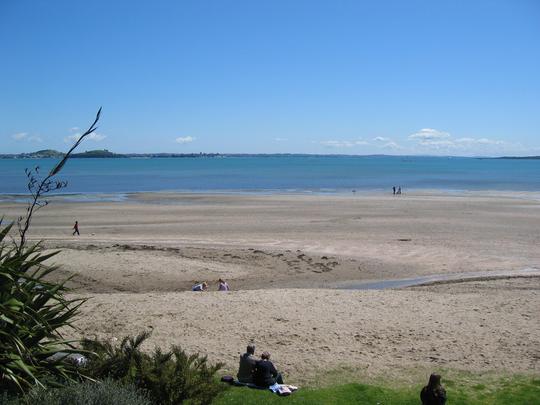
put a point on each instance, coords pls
(523, 391)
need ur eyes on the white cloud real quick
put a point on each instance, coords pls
(480, 141)
(391, 145)
(281, 139)
(386, 143)
(429, 134)
(74, 129)
(337, 144)
(185, 139)
(19, 136)
(96, 137)
(380, 142)
(24, 136)
(92, 137)
(432, 140)
(333, 143)
(35, 138)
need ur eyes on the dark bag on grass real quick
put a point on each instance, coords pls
(227, 379)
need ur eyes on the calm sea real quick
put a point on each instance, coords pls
(319, 174)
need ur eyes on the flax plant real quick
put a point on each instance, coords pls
(33, 310)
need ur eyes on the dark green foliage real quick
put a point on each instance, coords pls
(31, 313)
(169, 377)
(98, 153)
(107, 392)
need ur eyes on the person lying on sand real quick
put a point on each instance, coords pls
(200, 287)
(247, 364)
(264, 373)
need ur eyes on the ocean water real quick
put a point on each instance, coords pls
(316, 174)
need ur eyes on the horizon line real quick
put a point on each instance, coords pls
(239, 154)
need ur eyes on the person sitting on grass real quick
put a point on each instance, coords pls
(247, 364)
(200, 287)
(265, 374)
(433, 393)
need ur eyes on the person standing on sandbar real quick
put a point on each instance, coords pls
(76, 228)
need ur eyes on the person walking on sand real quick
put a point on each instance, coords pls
(394, 190)
(76, 228)
(223, 286)
(399, 190)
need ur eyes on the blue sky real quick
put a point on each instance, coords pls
(393, 77)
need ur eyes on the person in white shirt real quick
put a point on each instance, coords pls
(200, 287)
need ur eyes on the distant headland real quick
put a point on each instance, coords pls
(519, 157)
(104, 153)
(101, 153)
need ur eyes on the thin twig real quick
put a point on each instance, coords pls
(45, 185)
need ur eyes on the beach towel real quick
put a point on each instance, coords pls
(282, 389)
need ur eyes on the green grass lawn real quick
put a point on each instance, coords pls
(522, 391)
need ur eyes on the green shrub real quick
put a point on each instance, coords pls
(171, 377)
(32, 311)
(107, 392)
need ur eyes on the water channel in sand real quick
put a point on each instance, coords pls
(438, 278)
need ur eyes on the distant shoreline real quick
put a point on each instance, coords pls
(172, 196)
(104, 153)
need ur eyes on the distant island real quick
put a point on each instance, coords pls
(104, 153)
(40, 154)
(519, 157)
(101, 153)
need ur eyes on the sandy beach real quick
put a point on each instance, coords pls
(284, 256)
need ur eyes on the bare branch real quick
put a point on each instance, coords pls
(91, 129)
(38, 188)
